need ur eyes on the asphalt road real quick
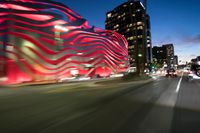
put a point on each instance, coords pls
(165, 105)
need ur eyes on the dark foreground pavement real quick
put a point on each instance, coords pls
(159, 106)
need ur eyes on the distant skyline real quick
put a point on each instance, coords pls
(172, 21)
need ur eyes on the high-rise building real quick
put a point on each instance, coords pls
(159, 54)
(165, 55)
(149, 44)
(130, 20)
(170, 54)
(176, 60)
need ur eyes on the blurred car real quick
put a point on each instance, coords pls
(186, 69)
(194, 72)
(171, 72)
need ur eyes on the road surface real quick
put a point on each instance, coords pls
(164, 105)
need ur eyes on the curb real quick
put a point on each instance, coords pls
(29, 83)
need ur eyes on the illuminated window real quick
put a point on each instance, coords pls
(130, 25)
(131, 38)
(116, 26)
(116, 14)
(123, 14)
(127, 30)
(140, 55)
(140, 27)
(140, 36)
(131, 47)
(109, 15)
(139, 23)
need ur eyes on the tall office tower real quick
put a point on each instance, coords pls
(175, 60)
(159, 54)
(170, 54)
(130, 20)
(148, 39)
(165, 55)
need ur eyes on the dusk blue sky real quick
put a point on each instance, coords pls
(172, 21)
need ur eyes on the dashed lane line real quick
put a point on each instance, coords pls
(179, 83)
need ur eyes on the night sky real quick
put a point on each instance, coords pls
(172, 21)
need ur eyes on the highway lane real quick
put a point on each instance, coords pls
(145, 107)
(186, 117)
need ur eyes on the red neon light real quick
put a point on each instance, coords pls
(36, 17)
(49, 54)
(18, 7)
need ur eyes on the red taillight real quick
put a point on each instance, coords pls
(190, 72)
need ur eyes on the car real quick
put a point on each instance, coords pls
(194, 72)
(171, 72)
(186, 69)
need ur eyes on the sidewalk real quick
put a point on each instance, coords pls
(29, 83)
(97, 82)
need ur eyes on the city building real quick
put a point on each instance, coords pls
(159, 54)
(175, 60)
(164, 55)
(131, 20)
(45, 40)
(149, 42)
(170, 54)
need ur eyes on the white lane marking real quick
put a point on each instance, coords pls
(179, 84)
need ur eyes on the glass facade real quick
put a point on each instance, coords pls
(130, 20)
